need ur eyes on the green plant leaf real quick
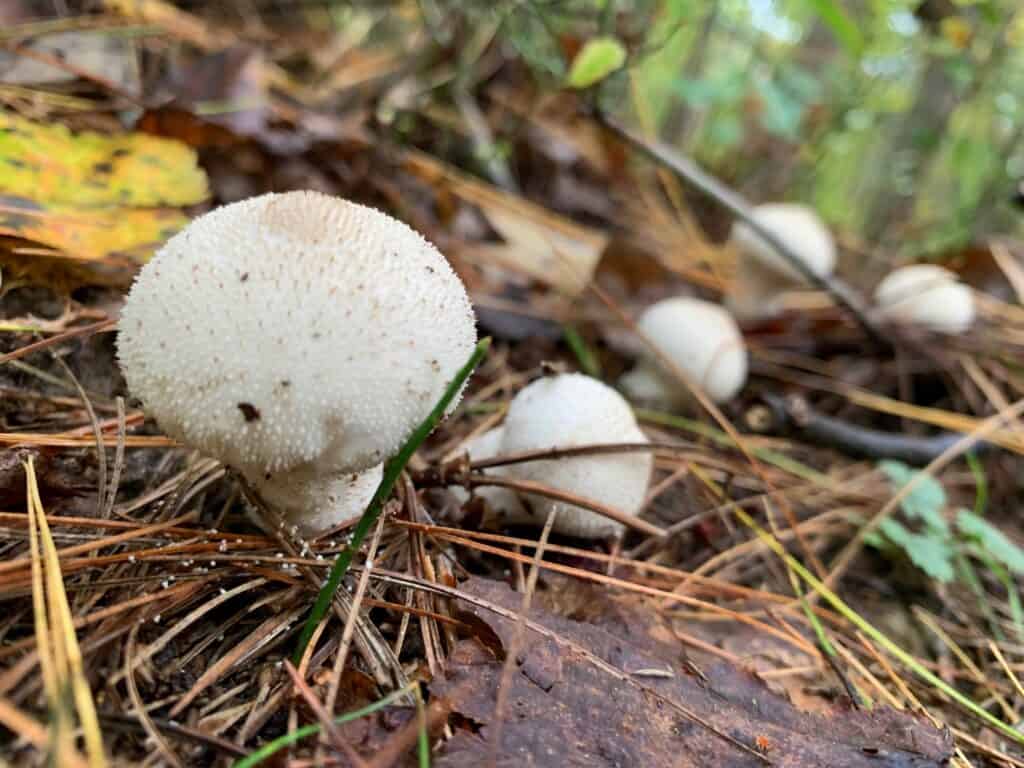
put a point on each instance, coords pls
(925, 502)
(726, 130)
(597, 59)
(991, 539)
(932, 554)
(843, 27)
(270, 748)
(782, 112)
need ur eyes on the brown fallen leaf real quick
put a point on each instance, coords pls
(584, 696)
(537, 242)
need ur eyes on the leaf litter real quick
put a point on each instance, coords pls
(182, 604)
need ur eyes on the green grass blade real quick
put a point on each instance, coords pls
(843, 27)
(868, 629)
(588, 361)
(392, 469)
(780, 460)
(422, 740)
(268, 749)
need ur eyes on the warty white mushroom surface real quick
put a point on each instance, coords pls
(763, 274)
(700, 338)
(294, 331)
(926, 295)
(571, 410)
(504, 501)
(314, 502)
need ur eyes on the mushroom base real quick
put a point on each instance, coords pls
(311, 503)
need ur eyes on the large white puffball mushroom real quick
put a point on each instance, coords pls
(572, 410)
(294, 332)
(926, 295)
(314, 502)
(698, 337)
(763, 274)
(503, 501)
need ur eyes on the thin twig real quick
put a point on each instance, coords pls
(35, 346)
(528, 486)
(329, 728)
(512, 652)
(115, 478)
(711, 187)
(353, 614)
(101, 453)
(152, 731)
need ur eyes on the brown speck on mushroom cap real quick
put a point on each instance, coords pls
(315, 265)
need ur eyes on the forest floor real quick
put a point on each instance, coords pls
(805, 599)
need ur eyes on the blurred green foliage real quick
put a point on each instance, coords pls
(900, 120)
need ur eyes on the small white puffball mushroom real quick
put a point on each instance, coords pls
(763, 274)
(294, 333)
(572, 410)
(503, 501)
(314, 502)
(698, 337)
(926, 295)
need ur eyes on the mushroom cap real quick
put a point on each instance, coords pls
(573, 410)
(294, 329)
(797, 226)
(703, 340)
(504, 501)
(315, 502)
(927, 295)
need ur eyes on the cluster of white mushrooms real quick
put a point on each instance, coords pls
(300, 339)
(702, 341)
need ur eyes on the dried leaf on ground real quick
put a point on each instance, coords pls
(564, 709)
(92, 236)
(90, 195)
(50, 164)
(105, 56)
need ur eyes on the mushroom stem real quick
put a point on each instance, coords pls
(755, 292)
(646, 384)
(311, 502)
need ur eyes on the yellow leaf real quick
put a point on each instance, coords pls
(90, 234)
(91, 196)
(957, 30)
(49, 164)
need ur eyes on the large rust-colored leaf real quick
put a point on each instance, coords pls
(585, 696)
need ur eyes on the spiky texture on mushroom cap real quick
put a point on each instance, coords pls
(575, 410)
(926, 295)
(701, 339)
(294, 329)
(797, 226)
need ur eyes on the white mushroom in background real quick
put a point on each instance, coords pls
(928, 296)
(573, 410)
(698, 337)
(763, 274)
(504, 501)
(298, 338)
